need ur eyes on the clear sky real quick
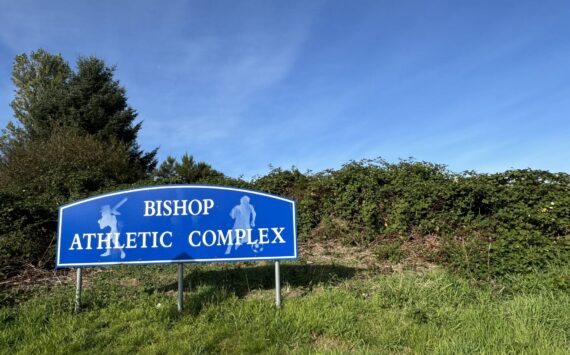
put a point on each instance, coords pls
(481, 85)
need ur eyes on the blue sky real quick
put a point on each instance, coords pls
(481, 85)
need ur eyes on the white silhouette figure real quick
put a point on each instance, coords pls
(244, 218)
(109, 219)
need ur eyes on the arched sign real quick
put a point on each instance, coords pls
(176, 224)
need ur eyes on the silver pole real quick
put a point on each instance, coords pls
(79, 282)
(180, 286)
(277, 285)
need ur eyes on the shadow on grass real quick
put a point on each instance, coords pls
(241, 280)
(212, 286)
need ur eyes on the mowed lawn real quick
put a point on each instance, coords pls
(327, 308)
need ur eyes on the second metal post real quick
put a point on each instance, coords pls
(277, 285)
(78, 287)
(180, 286)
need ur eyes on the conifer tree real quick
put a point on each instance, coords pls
(49, 96)
(42, 93)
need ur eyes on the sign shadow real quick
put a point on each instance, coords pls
(213, 286)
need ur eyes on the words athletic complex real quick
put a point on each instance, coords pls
(164, 238)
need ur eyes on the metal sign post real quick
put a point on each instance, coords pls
(277, 286)
(180, 286)
(78, 286)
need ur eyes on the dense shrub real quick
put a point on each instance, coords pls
(27, 233)
(489, 224)
(38, 176)
(65, 166)
(511, 222)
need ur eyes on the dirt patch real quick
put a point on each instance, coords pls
(329, 252)
(31, 277)
(419, 253)
(260, 295)
(326, 343)
(287, 292)
(422, 251)
(130, 282)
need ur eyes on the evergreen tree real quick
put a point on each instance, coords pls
(187, 171)
(190, 171)
(42, 93)
(49, 95)
(98, 106)
(166, 170)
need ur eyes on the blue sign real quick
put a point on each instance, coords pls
(176, 224)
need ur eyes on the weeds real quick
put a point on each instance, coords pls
(326, 308)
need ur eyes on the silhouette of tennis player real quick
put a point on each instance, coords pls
(109, 219)
(244, 218)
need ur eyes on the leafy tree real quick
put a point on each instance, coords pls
(67, 165)
(37, 176)
(27, 233)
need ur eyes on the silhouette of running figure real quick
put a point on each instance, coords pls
(109, 219)
(242, 214)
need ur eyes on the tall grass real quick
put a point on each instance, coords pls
(326, 309)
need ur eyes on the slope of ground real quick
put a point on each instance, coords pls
(337, 299)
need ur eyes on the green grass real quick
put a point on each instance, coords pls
(327, 309)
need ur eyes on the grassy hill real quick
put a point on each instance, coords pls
(336, 299)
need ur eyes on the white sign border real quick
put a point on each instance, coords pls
(171, 262)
